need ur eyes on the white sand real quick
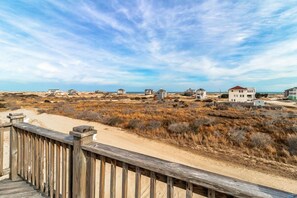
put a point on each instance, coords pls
(119, 138)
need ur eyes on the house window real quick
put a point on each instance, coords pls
(240, 91)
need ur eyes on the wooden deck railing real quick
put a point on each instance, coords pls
(61, 165)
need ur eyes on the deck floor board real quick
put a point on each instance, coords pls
(17, 189)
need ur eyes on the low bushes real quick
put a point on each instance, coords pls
(261, 140)
(181, 127)
(292, 142)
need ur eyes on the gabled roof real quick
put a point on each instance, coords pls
(237, 87)
(291, 89)
(200, 89)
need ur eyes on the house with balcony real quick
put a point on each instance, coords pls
(242, 94)
(291, 94)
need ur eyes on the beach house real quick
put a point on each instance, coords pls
(161, 94)
(189, 92)
(291, 94)
(53, 92)
(121, 92)
(148, 92)
(72, 92)
(241, 94)
(200, 94)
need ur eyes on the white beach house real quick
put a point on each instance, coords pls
(241, 94)
(161, 94)
(200, 94)
(121, 91)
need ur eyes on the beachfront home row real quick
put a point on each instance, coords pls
(242, 94)
(200, 94)
(291, 94)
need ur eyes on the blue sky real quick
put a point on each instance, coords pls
(175, 44)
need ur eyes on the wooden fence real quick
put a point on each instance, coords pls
(62, 165)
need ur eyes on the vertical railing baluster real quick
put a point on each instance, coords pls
(152, 185)
(18, 153)
(41, 170)
(70, 170)
(46, 165)
(211, 193)
(64, 171)
(189, 190)
(33, 159)
(102, 177)
(1, 150)
(125, 180)
(91, 174)
(29, 158)
(137, 183)
(51, 167)
(113, 178)
(170, 187)
(58, 169)
(21, 151)
(26, 155)
(37, 161)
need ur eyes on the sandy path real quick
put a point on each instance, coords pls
(119, 138)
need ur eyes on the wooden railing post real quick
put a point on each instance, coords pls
(81, 135)
(14, 118)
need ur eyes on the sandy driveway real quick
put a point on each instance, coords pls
(119, 138)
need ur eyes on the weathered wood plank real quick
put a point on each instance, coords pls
(70, 170)
(170, 187)
(189, 190)
(137, 182)
(21, 151)
(29, 158)
(54, 135)
(18, 136)
(33, 159)
(25, 155)
(64, 171)
(51, 168)
(113, 179)
(1, 150)
(46, 165)
(102, 177)
(125, 180)
(58, 176)
(91, 175)
(197, 177)
(37, 160)
(211, 193)
(152, 185)
(41, 164)
(5, 125)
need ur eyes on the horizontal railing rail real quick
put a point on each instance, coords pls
(46, 133)
(213, 183)
(65, 165)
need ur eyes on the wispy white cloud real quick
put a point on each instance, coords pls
(149, 43)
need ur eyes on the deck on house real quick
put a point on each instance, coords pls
(17, 189)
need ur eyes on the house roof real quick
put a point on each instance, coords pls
(237, 87)
(200, 89)
(291, 89)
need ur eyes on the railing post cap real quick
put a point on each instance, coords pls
(15, 116)
(83, 131)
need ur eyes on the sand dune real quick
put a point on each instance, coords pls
(122, 139)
